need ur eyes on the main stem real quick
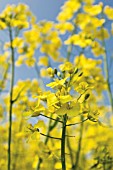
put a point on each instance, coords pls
(63, 143)
(17, 148)
(11, 99)
(79, 145)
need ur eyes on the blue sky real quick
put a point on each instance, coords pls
(43, 9)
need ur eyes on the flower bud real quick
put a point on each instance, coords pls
(50, 71)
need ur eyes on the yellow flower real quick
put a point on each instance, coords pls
(17, 42)
(93, 10)
(30, 62)
(44, 73)
(50, 72)
(45, 26)
(2, 25)
(82, 87)
(43, 61)
(72, 109)
(64, 26)
(79, 39)
(52, 99)
(89, 2)
(57, 83)
(109, 12)
(67, 66)
(38, 109)
(15, 16)
(97, 49)
(89, 20)
(101, 34)
(20, 60)
(68, 10)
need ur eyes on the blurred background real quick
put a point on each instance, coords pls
(43, 10)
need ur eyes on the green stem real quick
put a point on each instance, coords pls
(106, 68)
(17, 148)
(11, 99)
(70, 152)
(41, 83)
(63, 143)
(79, 145)
(69, 50)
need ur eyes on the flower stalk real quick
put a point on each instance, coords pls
(63, 143)
(11, 99)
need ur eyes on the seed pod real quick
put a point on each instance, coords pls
(76, 71)
(37, 129)
(55, 71)
(80, 74)
(87, 96)
(58, 74)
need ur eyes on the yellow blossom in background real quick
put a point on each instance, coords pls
(89, 20)
(43, 61)
(97, 49)
(68, 10)
(93, 10)
(109, 12)
(45, 26)
(17, 42)
(20, 60)
(20, 15)
(80, 40)
(64, 27)
(30, 62)
(101, 34)
(89, 2)
(43, 72)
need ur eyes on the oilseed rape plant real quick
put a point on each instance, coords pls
(63, 118)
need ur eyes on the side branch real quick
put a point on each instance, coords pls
(50, 136)
(77, 122)
(57, 120)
